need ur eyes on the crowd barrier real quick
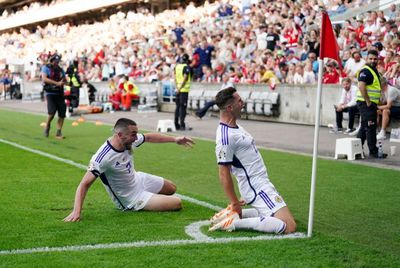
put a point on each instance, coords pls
(286, 104)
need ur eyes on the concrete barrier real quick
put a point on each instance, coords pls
(297, 102)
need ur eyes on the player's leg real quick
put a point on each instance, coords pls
(159, 202)
(261, 224)
(61, 109)
(286, 216)
(272, 214)
(168, 188)
(51, 110)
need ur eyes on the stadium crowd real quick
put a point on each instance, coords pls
(250, 41)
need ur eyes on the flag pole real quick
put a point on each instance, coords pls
(315, 148)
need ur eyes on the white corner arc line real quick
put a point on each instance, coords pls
(140, 244)
(193, 230)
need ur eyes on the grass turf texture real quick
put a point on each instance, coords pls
(356, 218)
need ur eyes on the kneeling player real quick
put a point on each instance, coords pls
(237, 154)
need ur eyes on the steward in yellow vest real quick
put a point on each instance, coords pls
(183, 75)
(72, 87)
(367, 101)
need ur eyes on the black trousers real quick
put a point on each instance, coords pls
(181, 101)
(202, 111)
(352, 114)
(368, 125)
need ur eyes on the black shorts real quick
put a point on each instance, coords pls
(56, 103)
(395, 111)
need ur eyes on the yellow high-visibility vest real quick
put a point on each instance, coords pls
(179, 78)
(373, 90)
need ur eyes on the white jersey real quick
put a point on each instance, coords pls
(117, 172)
(236, 146)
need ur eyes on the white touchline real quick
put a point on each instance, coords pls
(192, 230)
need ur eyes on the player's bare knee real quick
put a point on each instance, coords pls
(169, 188)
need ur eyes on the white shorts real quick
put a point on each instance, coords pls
(267, 202)
(147, 186)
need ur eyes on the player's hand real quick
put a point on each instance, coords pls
(237, 208)
(73, 217)
(185, 141)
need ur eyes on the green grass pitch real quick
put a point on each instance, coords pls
(356, 219)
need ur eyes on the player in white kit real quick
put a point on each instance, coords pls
(128, 189)
(237, 154)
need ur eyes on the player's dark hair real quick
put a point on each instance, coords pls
(123, 124)
(224, 96)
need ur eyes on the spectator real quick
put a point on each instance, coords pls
(390, 109)
(272, 38)
(331, 75)
(312, 42)
(347, 103)
(298, 77)
(179, 30)
(354, 64)
(204, 52)
(393, 14)
(268, 76)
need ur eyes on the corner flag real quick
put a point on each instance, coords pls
(329, 47)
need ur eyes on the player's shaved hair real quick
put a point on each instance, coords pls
(122, 124)
(224, 97)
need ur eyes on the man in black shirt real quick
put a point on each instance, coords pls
(272, 38)
(367, 101)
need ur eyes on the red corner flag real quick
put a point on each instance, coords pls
(329, 47)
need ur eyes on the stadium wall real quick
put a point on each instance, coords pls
(296, 105)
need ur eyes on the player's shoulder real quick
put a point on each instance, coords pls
(226, 133)
(103, 153)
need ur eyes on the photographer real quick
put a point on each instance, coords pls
(53, 78)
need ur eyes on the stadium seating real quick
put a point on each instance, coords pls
(194, 99)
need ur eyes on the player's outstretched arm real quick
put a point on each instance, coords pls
(160, 138)
(80, 195)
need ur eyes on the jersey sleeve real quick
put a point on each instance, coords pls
(95, 167)
(139, 141)
(225, 147)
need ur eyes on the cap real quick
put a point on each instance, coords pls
(185, 58)
(378, 45)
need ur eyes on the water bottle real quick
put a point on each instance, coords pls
(380, 150)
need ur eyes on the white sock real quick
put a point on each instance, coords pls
(261, 224)
(249, 213)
